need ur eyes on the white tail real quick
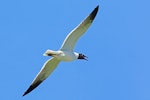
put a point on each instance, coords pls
(50, 53)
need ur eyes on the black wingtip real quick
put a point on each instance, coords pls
(97, 7)
(94, 12)
(24, 94)
(32, 87)
(28, 90)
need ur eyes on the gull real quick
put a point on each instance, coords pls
(65, 53)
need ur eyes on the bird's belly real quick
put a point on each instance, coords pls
(66, 56)
(67, 59)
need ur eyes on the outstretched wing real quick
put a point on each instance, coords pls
(74, 35)
(46, 70)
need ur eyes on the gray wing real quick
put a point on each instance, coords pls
(46, 70)
(75, 34)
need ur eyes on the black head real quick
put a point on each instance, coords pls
(82, 56)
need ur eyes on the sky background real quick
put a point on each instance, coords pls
(117, 45)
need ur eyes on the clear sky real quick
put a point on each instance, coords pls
(117, 45)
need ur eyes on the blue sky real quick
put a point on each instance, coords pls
(117, 45)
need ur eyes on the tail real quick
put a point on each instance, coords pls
(50, 53)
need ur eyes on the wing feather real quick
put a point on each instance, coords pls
(46, 70)
(78, 31)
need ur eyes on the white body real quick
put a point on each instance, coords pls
(62, 55)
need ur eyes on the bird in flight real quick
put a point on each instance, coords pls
(65, 53)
